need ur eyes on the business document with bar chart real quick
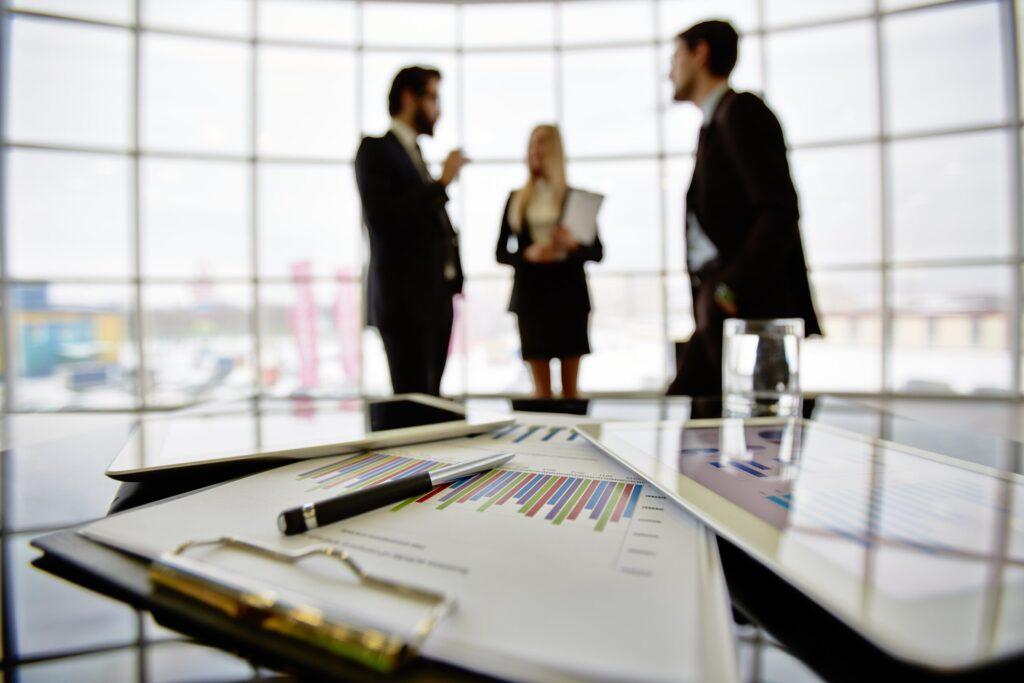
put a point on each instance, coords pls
(564, 565)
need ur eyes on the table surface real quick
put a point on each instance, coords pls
(52, 476)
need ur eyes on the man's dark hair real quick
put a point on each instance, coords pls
(413, 79)
(722, 41)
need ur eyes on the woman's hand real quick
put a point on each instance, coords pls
(563, 239)
(541, 253)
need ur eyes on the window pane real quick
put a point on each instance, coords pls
(59, 198)
(120, 665)
(839, 204)
(486, 188)
(680, 312)
(231, 17)
(900, 4)
(952, 196)
(586, 21)
(323, 20)
(944, 68)
(783, 12)
(494, 357)
(310, 337)
(308, 215)
(675, 16)
(681, 121)
(609, 101)
(74, 346)
(69, 84)
(409, 24)
(195, 219)
(629, 223)
(676, 181)
(195, 95)
(379, 71)
(376, 381)
(500, 24)
(849, 356)
(198, 342)
(104, 10)
(306, 102)
(506, 96)
(822, 82)
(951, 330)
(453, 382)
(626, 335)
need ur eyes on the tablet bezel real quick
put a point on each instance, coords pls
(125, 466)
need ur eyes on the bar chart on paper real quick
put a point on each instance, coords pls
(552, 497)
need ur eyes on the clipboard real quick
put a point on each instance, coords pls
(270, 609)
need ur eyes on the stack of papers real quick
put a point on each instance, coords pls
(564, 566)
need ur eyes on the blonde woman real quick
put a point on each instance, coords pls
(549, 293)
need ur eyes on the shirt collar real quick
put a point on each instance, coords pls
(711, 103)
(405, 133)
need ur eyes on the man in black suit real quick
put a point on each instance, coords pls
(414, 266)
(743, 248)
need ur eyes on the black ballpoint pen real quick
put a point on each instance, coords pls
(312, 515)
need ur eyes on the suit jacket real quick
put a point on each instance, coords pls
(744, 199)
(411, 238)
(558, 288)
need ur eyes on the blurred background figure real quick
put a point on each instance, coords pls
(549, 292)
(744, 254)
(414, 268)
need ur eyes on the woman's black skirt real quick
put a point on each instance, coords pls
(547, 335)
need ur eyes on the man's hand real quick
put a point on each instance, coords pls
(563, 239)
(541, 253)
(452, 166)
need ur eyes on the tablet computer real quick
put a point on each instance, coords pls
(921, 553)
(289, 429)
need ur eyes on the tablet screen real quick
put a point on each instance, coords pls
(918, 544)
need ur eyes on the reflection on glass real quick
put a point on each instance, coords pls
(676, 180)
(56, 199)
(849, 356)
(306, 102)
(55, 616)
(486, 188)
(308, 214)
(945, 67)
(609, 101)
(379, 71)
(823, 81)
(589, 21)
(785, 12)
(69, 83)
(675, 16)
(74, 346)
(840, 204)
(309, 20)
(951, 330)
(409, 24)
(195, 219)
(310, 337)
(626, 335)
(198, 342)
(195, 94)
(629, 222)
(120, 665)
(952, 196)
(494, 360)
(230, 17)
(506, 96)
(507, 23)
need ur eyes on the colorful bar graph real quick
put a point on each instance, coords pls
(554, 498)
(520, 433)
(365, 470)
